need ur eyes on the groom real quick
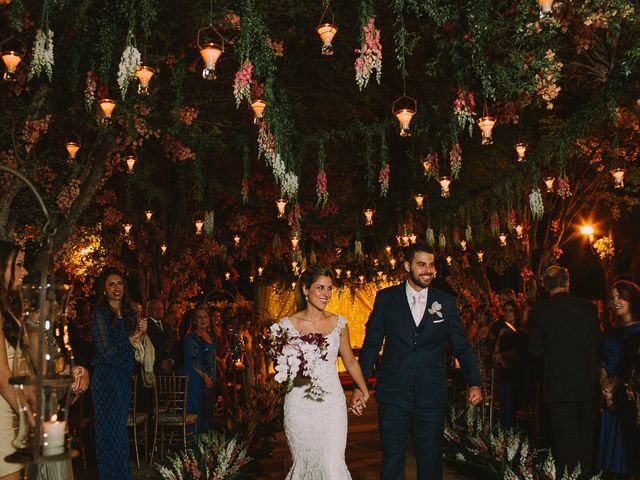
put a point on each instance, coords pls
(414, 321)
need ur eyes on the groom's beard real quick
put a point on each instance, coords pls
(422, 281)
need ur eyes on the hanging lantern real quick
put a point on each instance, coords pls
(486, 124)
(107, 105)
(144, 75)
(258, 107)
(327, 31)
(260, 270)
(281, 203)
(413, 238)
(5, 2)
(295, 241)
(127, 228)
(72, 145)
(236, 240)
(199, 223)
(348, 272)
(549, 181)
(148, 213)
(587, 230)
(163, 248)
(392, 262)
(369, 210)
(503, 239)
(480, 255)
(444, 186)
(11, 60)
(210, 52)
(546, 9)
(618, 178)
(449, 259)
(338, 272)
(519, 230)
(404, 108)
(419, 198)
(521, 150)
(405, 239)
(227, 276)
(387, 249)
(131, 161)
(463, 244)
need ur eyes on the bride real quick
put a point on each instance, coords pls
(316, 429)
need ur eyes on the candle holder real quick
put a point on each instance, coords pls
(43, 364)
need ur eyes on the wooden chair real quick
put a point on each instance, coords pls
(175, 427)
(137, 422)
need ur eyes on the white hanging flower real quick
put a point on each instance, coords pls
(42, 55)
(290, 185)
(442, 241)
(209, 223)
(535, 202)
(431, 239)
(468, 234)
(129, 61)
(357, 251)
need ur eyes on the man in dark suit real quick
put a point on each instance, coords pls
(565, 334)
(415, 321)
(158, 336)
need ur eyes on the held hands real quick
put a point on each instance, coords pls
(359, 401)
(475, 395)
(142, 325)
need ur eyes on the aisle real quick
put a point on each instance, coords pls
(363, 451)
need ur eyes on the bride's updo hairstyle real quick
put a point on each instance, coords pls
(307, 278)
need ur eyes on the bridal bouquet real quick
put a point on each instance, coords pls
(298, 356)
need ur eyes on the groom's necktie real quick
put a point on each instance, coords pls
(418, 304)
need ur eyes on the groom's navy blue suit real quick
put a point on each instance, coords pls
(411, 378)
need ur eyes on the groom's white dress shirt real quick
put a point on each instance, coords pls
(417, 302)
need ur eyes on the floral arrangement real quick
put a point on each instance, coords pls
(536, 205)
(209, 223)
(370, 58)
(129, 61)
(546, 79)
(605, 248)
(42, 55)
(468, 234)
(242, 83)
(91, 85)
(383, 179)
(434, 168)
(298, 356)
(563, 189)
(463, 108)
(212, 456)
(321, 189)
(442, 241)
(496, 453)
(455, 157)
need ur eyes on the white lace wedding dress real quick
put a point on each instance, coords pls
(317, 429)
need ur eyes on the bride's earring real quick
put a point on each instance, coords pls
(306, 297)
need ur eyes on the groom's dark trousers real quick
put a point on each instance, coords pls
(411, 378)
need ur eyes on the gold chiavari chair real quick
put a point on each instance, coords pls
(175, 427)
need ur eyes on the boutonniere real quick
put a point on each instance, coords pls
(435, 309)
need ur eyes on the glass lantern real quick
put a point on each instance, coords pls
(42, 376)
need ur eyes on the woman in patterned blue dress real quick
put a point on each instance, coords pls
(200, 368)
(115, 327)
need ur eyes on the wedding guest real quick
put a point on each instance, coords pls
(565, 334)
(222, 355)
(158, 336)
(115, 327)
(619, 439)
(200, 368)
(510, 359)
(13, 271)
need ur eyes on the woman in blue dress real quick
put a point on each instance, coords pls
(115, 328)
(200, 368)
(614, 447)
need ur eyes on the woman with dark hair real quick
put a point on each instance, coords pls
(12, 272)
(200, 369)
(619, 439)
(115, 329)
(509, 361)
(316, 429)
